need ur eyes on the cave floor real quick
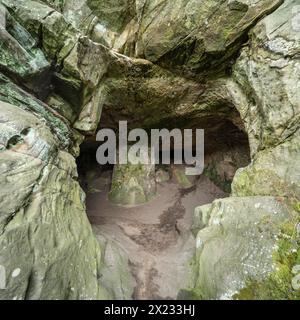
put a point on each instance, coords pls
(155, 236)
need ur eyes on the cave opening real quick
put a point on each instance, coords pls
(157, 235)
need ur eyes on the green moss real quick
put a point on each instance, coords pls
(10, 93)
(193, 294)
(182, 179)
(129, 185)
(278, 285)
(297, 206)
(212, 174)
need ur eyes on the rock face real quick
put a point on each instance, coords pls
(47, 247)
(255, 260)
(133, 184)
(68, 67)
(237, 243)
(48, 250)
(268, 72)
(188, 35)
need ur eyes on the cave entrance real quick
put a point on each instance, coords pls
(157, 236)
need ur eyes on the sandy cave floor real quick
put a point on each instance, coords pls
(155, 236)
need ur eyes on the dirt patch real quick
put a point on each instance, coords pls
(155, 236)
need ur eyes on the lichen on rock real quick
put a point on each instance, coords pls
(68, 68)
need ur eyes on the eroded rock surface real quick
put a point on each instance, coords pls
(44, 230)
(69, 67)
(133, 183)
(237, 244)
(266, 73)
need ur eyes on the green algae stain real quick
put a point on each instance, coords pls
(278, 285)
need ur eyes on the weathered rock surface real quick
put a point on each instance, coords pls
(268, 72)
(196, 35)
(132, 183)
(47, 246)
(117, 278)
(188, 35)
(19, 53)
(238, 243)
(250, 243)
(273, 172)
(230, 67)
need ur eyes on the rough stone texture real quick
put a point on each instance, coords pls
(237, 243)
(116, 274)
(222, 165)
(44, 232)
(133, 184)
(230, 67)
(268, 72)
(73, 80)
(267, 96)
(195, 35)
(186, 35)
(19, 54)
(11, 93)
(49, 27)
(272, 172)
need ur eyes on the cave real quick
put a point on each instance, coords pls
(72, 229)
(158, 235)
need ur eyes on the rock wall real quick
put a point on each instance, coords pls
(66, 64)
(47, 247)
(255, 238)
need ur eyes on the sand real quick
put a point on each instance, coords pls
(155, 236)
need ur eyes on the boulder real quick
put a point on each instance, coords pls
(48, 248)
(272, 172)
(241, 245)
(133, 184)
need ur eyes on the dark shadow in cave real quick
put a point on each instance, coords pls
(155, 235)
(226, 150)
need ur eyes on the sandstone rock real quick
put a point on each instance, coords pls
(62, 107)
(222, 165)
(201, 218)
(272, 172)
(162, 176)
(267, 71)
(194, 36)
(76, 79)
(154, 63)
(43, 22)
(184, 181)
(238, 244)
(11, 93)
(169, 32)
(271, 107)
(115, 270)
(133, 184)
(19, 54)
(47, 246)
(266, 97)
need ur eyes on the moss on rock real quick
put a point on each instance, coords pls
(279, 284)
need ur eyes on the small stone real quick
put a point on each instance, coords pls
(296, 282)
(296, 269)
(162, 176)
(238, 5)
(16, 272)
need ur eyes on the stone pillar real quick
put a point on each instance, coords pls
(133, 184)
